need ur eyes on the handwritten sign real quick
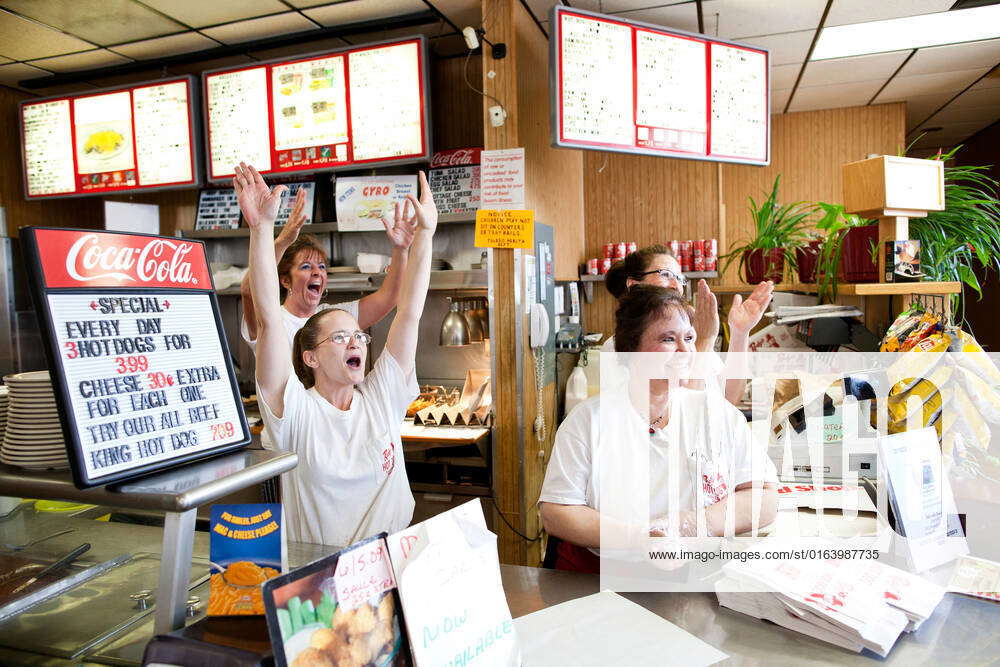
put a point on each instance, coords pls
(502, 179)
(362, 574)
(140, 380)
(504, 229)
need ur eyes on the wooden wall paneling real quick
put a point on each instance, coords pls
(504, 315)
(456, 109)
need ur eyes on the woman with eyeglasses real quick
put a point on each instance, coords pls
(656, 265)
(350, 482)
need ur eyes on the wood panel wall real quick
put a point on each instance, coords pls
(650, 200)
(456, 119)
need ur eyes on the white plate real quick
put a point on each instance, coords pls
(35, 457)
(28, 376)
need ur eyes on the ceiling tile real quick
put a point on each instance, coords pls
(979, 96)
(748, 18)
(99, 21)
(919, 107)
(991, 80)
(844, 12)
(166, 46)
(10, 75)
(21, 39)
(267, 26)
(199, 13)
(355, 12)
(810, 98)
(783, 76)
(971, 55)
(779, 98)
(314, 3)
(5, 60)
(81, 61)
(846, 70)
(679, 17)
(786, 48)
(963, 129)
(903, 87)
(468, 12)
(965, 114)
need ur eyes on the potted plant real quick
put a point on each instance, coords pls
(842, 231)
(779, 230)
(807, 257)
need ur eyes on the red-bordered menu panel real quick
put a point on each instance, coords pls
(631, 87)
(142, 378)
(140, 137)
(359, 105)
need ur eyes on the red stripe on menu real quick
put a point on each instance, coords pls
(347, 110)
(72, 139)
(135, 146)
(635, 87)
(269, 74)
(708, 98)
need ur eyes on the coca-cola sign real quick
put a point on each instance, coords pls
(76, 258)
(458, 157)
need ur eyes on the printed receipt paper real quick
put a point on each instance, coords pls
(448, 574)
(606, 629)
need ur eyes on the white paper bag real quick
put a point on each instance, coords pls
(448, 574)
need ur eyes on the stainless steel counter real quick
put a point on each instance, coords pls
(963, 631)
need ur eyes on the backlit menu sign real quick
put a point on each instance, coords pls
(136, 138)
(360, 105)
(631, 87)
(141, 383)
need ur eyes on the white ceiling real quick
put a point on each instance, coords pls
(944, 87)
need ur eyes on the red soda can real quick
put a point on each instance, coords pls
(711, 255)
(609, 250)
(686, 247)
(592, 266)
(621, 249)
(698, 256)
(606, 265)
(632, 247)
(675, 249)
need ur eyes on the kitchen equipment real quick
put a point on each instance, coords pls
(58, 565)
(371, 262)
(475, 325)
(454, 328)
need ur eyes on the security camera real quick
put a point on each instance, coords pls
(471, 39)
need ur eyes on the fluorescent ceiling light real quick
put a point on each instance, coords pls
(910, 32)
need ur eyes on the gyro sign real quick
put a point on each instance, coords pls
(140, 380)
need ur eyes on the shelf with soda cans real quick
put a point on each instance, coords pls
(698, 259)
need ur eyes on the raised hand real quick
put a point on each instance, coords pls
(706, 318)
(296, 218)
(258, 202)
(744, 315)
(402, 228)
(425, 208)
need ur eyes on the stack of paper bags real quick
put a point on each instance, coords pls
(855, 604)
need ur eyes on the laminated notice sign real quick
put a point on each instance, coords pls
(140, 381)
(504, 229)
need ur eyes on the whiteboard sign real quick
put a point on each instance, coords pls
(358, 105)
(135, 138)
(632, 87)
(141, 383)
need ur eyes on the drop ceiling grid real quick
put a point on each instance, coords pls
(259, 28)
(205, 13)
(101, 22)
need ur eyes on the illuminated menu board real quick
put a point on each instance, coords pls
(359, 105)
(140, 381)
(136, 138)
(631, 87)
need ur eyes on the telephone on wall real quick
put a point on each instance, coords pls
(538, 336)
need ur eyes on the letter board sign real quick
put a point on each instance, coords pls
(137, 354)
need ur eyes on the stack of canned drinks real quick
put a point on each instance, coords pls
(693, 256)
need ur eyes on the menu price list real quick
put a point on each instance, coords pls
(92, 143)
(146, 380)
(690, 96)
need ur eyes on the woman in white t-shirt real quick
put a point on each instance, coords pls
(700, 448)
(302, 273)
(350, 482)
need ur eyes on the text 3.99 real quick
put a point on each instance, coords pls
(223, 431)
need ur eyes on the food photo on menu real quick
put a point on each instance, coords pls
(342, 610)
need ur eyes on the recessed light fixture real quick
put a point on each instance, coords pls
(910, 32)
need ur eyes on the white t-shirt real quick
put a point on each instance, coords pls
(716, 452)
(293, 322)
(351, 481)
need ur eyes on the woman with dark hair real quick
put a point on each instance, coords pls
(350, 482)
(707, 436)
(656, 265)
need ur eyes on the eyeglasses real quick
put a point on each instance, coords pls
(668, 275)
(342, 337)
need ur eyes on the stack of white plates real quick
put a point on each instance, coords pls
(33, 437)
(4, 400)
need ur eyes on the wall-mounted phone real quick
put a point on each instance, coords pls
(538, 337)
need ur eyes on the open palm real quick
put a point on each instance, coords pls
(744, 315)
(258, 202)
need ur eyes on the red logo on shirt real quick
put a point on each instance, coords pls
(714, 487)
(389, 458)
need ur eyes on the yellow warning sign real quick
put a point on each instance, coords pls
(505, 229)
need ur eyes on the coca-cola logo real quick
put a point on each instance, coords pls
(160, 260)
(455, 158)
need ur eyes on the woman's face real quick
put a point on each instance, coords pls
(306, 280)
(652, 278)
(673, 334)
(342, 363)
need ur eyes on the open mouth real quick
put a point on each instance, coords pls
(315, 287)
(353, 361)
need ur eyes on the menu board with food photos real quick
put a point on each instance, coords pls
(137, 138)
(632, 87)
(358, 105)
(137, 352)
